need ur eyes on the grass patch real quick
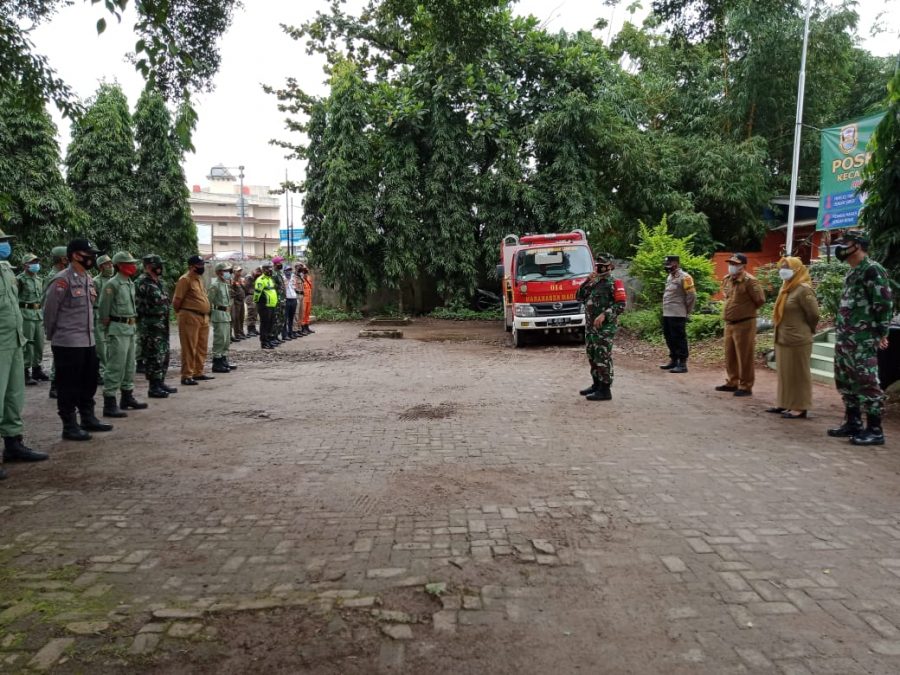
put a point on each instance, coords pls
(332, 314)
(466, 314)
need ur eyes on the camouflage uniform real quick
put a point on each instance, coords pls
(252, 314)
(862, 321)
(278, 278)
(597, 295)
(152, 303)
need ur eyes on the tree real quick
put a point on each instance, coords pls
(100, 162)
(36, 205)
(160, 186)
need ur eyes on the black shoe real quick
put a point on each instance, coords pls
(203, 378)
(219, 366)
(71, 430)
(52, 393)
(228, 364)
(3, 474)
(89, 421)
(188, 381)
(680, 367)
(110, 409)
(776, 411)
(155, 390)
(29, 381)
(671, 364)
(873, 434)
(129, 402)
(851, 427)
(788, 415)
(38, 374)
(253, 332)
(267, 345)
(309, 331)
(602, 393)
(743, 392)
(140, 367)
(726, 387)
(589, 390)
(166, 388)
(14, 450)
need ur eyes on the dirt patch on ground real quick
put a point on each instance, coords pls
(437, 330)
(428, 412)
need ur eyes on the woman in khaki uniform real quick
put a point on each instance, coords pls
(796, 315)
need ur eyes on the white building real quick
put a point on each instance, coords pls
(216, 213)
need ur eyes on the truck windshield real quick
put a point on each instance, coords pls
(547, 264)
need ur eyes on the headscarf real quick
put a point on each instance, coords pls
(801, 278)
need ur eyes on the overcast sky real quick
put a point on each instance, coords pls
(237, 120)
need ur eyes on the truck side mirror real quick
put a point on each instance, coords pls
(500, 271)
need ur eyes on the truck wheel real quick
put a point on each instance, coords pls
(518, 338)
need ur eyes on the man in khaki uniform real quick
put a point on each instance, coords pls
(105, 266)
(192, 308)
(118, 318)
(219, 294)
(743, 298)
(678, 301)
(31, 299)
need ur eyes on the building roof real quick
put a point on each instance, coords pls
(808, 201)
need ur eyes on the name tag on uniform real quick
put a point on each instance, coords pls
(77, 291)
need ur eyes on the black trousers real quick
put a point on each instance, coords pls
(266, 322)
(674, 330)
(290, 311)
(77, 373)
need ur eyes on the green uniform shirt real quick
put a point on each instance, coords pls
(117, 299)
(99, 282)
(31, 292)
(219, 300)
(866, 303)
(597, 294)
(11, 334)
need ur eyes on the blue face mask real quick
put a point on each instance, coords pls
(34, 268)
(5, 250)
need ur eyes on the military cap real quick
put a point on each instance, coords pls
(267, 263)
(59, 252)
(238, 269)
(195, 260)
(103, 259)
(6, 237)
(77, 246)
(222, 267)
(854, 237)
(152, 259)
(123, 257)
(28, 257)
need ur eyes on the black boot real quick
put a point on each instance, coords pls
(129, 402)
(14, 450)
(589, 390)
(671, 364)
(140, 367)
(52, 393)
(602, 393)
(219, 365)
(228, 363)
(872, 435)
(679, 367)
(166, 388)
(71, 429)
(89, 421)
(110, 409)
(28, 379)
(38, 374)
(156, 390)
(852, 425)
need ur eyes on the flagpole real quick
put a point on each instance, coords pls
(798, 129)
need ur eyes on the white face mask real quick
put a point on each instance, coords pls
(735, 269)
(786, 273)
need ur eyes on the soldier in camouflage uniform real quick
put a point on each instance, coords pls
(238, 305)
(31, 298)
(604, 301)
(252, 314)
(280, 318)
(861, 329)
(152, 304)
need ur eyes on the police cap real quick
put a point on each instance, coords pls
(76, 246)
(123, 257)
(195, 260)
(673, 259)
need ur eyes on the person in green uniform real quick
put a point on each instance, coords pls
(58, 262)
(153, 307)
(12, 368)
(604, 301)
(861, 329)
(31, 298)
(279, 318)
(104, 264)
(219, 294)
(119, 319)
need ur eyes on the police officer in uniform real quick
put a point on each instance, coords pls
(266, 299)
(219, 294)
(152, 304)
(31, 297)
(69, 325)
(861, 329)
(678, 302)
(105, 267)
(58, 263)
(12, 380)
(604, 301)
(119, 319)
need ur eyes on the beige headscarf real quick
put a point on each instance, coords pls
(801, 278)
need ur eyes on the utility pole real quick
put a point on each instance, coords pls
(798, 128)
(243, 204)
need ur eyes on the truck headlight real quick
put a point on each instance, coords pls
(524, 310)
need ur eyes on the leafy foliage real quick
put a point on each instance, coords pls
(705, 326)
(462, 313)
(828, 281)
(645, 324)
(332, 314)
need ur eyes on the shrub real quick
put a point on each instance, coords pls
(331, 314)
(769, 279)
(461, 313)
(828, 280)
(645, 324)
(705, 326)
(648, 264)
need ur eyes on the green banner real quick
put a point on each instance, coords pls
(844, 155)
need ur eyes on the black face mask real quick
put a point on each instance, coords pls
(199, 269)
(844, 252)
(157, 269)
(669, 268)
(88, 261)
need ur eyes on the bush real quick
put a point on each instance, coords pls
(769, 279)
(331, 314)
(648, 264)
(705, 326)
(645, 324)
(828, 280)
(461, 313)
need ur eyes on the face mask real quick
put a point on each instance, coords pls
(786, 274)
(199, 269)
(107, 272)
(227, 276)
(844, 252)
(5, 250)
(128, 269)
(34, 268)
(157, 270)
(88, 261)
(735, 269)
(669, 268)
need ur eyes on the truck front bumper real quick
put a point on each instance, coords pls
(549, 323)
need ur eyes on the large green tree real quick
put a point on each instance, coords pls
(101, 163)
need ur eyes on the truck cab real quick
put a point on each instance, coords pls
(541, 274)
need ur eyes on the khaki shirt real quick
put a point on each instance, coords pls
(11, 333)
(799, 319)
(219, 297)
(680, 295)
(117, 299)
(69, 309)
(189, 290)
(31, 293)
(743, 297)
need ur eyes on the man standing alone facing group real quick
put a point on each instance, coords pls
(678, 302)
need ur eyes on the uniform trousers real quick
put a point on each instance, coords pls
(76, 378)
(675, 332)
(100, 337)
(252, 313)
(266, 321)
(120, 360)
(12, 392)
(193, 333)
(307, 309)
(34, 348)
(238, 312)
(740, 346)
(290, 312)
(221, 338)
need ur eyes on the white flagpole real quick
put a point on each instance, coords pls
(798, 128)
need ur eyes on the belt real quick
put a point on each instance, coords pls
(731, 323)
(30, 305)
(130, 320)
(193, 311)
(223, 308)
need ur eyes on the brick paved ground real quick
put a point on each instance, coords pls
(344, 505)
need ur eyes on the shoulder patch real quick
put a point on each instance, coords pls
(61, 284)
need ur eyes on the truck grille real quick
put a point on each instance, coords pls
(556, 308)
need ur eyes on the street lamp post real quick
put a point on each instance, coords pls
(242, 203)
(798, 130)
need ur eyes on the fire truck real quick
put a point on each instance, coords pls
(541, 274)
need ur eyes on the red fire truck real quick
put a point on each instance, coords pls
(541, 274)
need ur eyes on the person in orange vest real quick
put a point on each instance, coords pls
(307, 300)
